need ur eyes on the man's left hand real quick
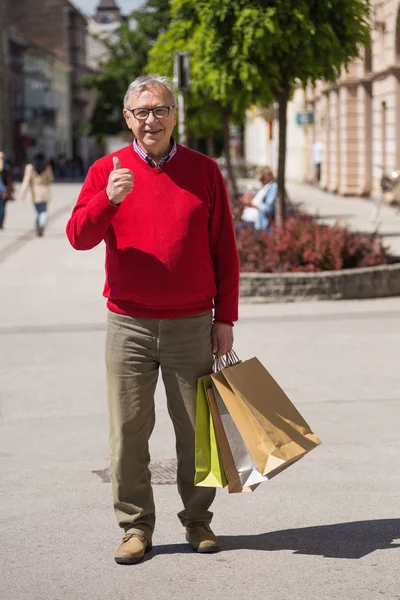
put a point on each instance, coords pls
(222, 338)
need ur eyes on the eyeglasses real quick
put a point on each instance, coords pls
(159, 112)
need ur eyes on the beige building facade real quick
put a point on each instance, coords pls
(358, 119)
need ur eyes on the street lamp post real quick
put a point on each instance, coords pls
(182, 82)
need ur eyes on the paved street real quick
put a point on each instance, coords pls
(328, 528)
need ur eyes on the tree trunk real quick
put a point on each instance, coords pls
(280, 211)
(231, 175)
(210, 146)
(193, 142)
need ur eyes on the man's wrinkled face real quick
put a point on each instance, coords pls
(153, 133)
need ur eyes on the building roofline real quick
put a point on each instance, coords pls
(76, 10)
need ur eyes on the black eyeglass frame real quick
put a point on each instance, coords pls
(150, 110)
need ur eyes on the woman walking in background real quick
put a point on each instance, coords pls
(6, 187)
(38, 177)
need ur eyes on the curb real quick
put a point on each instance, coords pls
(349, 284)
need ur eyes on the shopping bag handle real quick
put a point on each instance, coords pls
(224, 361)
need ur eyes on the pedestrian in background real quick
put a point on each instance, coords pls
(38, 177)
(171, 257)
(318, 154)
(258, 210)
(6, 187)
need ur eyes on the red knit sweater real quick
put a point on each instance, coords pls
(170, 245)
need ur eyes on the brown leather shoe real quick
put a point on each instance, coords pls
(132, 550)
(201, 538)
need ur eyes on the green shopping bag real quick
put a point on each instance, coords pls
(208, 464)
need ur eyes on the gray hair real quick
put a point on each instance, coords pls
(261, 171)
(148, 82)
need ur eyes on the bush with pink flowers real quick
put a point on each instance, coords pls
(303, 244)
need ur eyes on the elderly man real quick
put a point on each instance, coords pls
(171, 259)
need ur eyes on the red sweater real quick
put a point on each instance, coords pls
(170, 245)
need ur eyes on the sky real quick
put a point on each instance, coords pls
(88, 7)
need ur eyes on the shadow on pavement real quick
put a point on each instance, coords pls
(341, 540)
(183, 548)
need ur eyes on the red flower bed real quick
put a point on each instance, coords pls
(306, 245)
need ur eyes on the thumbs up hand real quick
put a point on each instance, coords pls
(120, 182)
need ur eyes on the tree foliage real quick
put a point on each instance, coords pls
(267, 43)
(127, 55)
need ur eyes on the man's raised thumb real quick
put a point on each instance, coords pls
(116, 163)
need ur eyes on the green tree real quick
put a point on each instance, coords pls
(127, 57)
(268, 46)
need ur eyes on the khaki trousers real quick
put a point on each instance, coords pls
(135, 350)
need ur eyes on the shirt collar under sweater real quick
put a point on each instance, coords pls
(152, 162)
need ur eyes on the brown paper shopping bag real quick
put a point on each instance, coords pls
(273, 430)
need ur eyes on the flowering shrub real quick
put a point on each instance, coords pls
(306, 245)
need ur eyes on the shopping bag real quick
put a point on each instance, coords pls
(275, 433)
(240, 469)
(209, 471)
